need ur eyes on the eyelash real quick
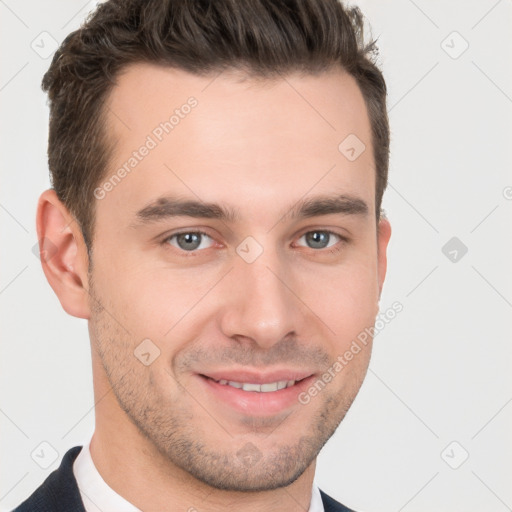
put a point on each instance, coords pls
(331, 250)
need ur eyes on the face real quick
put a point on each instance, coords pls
(235, 261)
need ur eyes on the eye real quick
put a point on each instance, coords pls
(321, 239)
(189, 240)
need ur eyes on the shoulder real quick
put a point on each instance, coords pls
(58, 492)
(331, 505)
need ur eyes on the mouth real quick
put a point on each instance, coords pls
(256, 394)
(258, 388)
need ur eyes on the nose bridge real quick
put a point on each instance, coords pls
(261, 307)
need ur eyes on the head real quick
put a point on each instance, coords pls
(218, 171)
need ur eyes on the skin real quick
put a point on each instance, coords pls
(161, 441)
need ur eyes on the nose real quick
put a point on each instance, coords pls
(262, 304)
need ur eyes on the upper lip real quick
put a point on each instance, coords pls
(253, 377)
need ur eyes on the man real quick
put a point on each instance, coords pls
(217, 170)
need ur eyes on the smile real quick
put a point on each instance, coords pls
(258, 388)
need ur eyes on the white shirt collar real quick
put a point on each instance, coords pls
(98, 496)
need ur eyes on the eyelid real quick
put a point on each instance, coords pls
(338, 231)
(187, 231)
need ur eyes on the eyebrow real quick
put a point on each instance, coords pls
(166, 207)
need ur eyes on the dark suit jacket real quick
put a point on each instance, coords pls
(60, 493)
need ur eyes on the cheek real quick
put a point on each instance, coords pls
(137, 299)
(346, 299)
(157, 303)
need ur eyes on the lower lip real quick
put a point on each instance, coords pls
(254, 403)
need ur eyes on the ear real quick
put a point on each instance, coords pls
(383, 236)
(63, 254)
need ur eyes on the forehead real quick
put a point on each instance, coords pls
(330, 102)
(223, 137)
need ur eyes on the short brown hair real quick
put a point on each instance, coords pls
(263, 37)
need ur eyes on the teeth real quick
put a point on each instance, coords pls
(260, 388)
(251, 387)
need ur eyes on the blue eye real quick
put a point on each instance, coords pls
(194, 241)
(320, 239)
(189, 240)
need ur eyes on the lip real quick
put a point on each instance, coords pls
(258, 377)
(253, 403)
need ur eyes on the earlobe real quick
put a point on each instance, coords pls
(383, 236)
(63, 254)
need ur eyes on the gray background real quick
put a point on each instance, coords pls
(439, 385)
